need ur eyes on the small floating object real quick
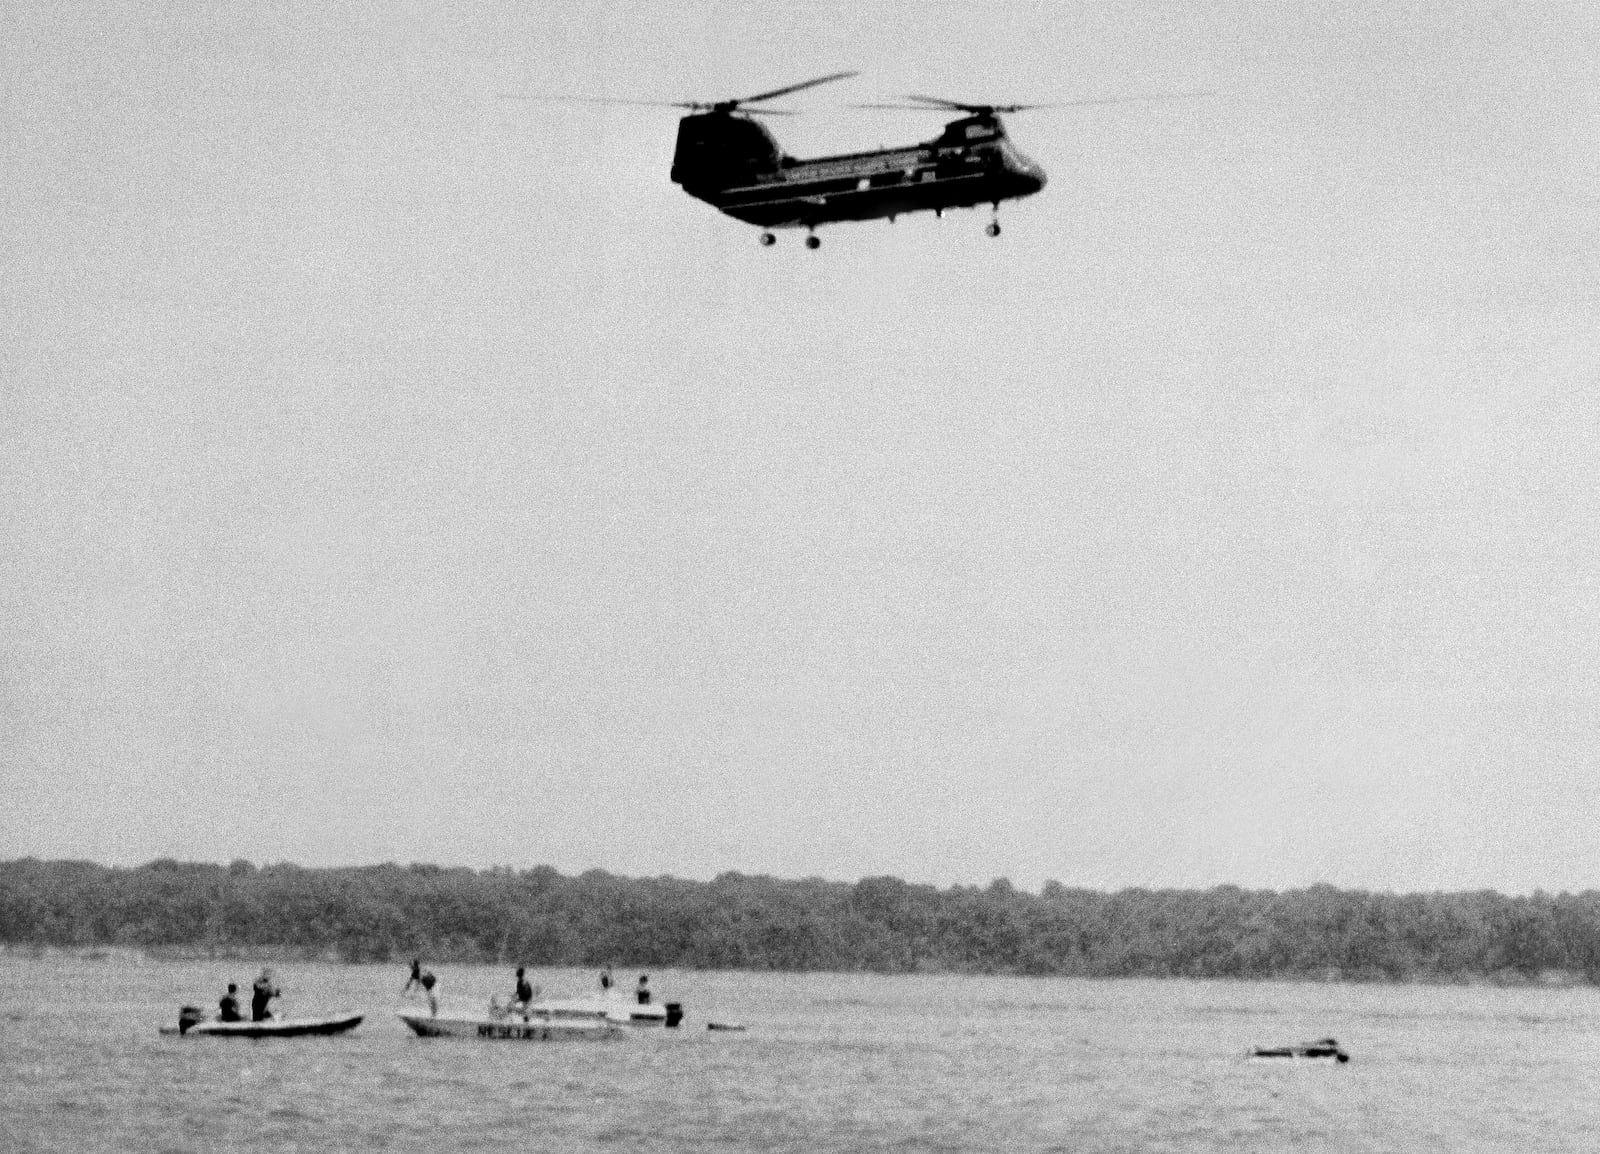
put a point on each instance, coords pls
(734, 1026)
(1325, 1049)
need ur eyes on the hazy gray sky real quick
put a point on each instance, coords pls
(393, 472)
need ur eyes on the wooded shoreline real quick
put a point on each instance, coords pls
(882, 924)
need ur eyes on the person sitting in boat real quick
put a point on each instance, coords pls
(228, 1008)
(260, 994)
(643, 992)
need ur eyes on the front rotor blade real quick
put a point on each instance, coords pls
(690, 104)
(793, 88)
(953, 105)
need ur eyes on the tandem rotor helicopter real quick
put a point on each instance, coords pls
(733, 163)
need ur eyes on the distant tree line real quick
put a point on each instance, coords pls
(539, 917)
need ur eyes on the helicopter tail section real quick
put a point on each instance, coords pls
(716, 150)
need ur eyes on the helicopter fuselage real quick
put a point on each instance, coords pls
(734, 164)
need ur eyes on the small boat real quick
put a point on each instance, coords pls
(192, 1024)
(529, 1027)
(736, 1027)
(1324, 1049)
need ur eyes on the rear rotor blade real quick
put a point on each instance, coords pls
(931, 102)
(1105, 100)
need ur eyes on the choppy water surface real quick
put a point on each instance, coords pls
(829, 1062)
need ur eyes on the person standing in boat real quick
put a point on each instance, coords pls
(260, 994)
(605, 982)
(228, 1008)
(642, 993)
(526, 991)
(423, 980)
(414, 982)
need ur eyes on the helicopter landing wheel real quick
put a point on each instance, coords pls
(813, 241)
(768, 240)
(992, 228)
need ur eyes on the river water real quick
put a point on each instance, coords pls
(828, 1062)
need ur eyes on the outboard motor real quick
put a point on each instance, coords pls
(189, 1016)
(674, 1013)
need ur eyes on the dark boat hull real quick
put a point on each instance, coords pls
(1326, 1049)
(272, 1028)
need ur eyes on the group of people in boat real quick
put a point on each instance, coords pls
(641, 992)
(261, 995)
(422, 981)
(524, 994)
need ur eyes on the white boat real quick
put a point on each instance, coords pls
(518, 1026)
(612, 1008)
